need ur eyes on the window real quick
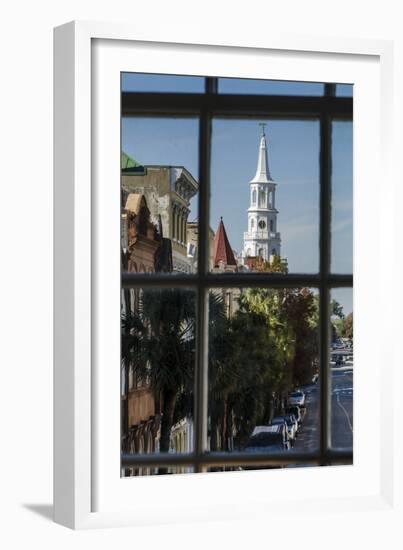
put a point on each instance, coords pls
(214, 395)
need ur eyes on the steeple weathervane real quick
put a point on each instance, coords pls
(263, 125)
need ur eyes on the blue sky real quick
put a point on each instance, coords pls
(294, 165)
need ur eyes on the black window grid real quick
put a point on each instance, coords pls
(207, 106)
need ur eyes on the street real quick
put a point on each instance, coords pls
(342, 408)
(341, 413)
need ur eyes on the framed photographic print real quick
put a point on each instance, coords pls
(212, 205)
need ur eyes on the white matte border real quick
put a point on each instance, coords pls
(240, 494)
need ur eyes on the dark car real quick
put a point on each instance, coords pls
(268, 438)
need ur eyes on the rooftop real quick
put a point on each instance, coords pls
(130, 166)
(222, 248)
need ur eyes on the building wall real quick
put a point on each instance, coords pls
(141, 405)
(168, 200)
(193, 243)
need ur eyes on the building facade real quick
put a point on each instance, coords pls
(140, 243)
(262, 239)
(168, 190)
(193, 245)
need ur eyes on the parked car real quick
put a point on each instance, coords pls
(290, 423)
(274, 438)
(296, 397)
(296, 411)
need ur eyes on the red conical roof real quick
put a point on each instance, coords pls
(222, 248)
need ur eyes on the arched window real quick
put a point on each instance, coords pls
(260, 253)
(271, 225)
(261, 198)
(252, 224)
(273, 252)
(254, 197)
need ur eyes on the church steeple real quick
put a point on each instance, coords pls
(262, 171)
(262, 239)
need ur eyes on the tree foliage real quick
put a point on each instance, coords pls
(348, 326)
(255, 357)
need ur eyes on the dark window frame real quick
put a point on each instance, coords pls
(207, 106)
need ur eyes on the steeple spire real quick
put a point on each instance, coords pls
(262, 171)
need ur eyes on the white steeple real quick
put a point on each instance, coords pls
(262, 171)
(262, 238)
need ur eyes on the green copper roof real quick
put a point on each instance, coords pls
(129, 165)
(128, 162)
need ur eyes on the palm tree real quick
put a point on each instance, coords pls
(158, 342)
(223, 372)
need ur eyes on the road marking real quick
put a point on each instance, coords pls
(345, 412)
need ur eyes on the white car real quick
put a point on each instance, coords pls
(296, 397)
(290, 422)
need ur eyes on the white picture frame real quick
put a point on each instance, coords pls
(88, 490)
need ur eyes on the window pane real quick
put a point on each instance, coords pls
(157, 370)
(342, 197)
(342, 368)
(159, 194)
(344, 90)
(269, 87)
(263, 365)
(265, 196)
(142, 82)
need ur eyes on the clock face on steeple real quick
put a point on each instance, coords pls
(262, 224)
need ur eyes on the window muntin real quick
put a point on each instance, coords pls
(201, 458)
